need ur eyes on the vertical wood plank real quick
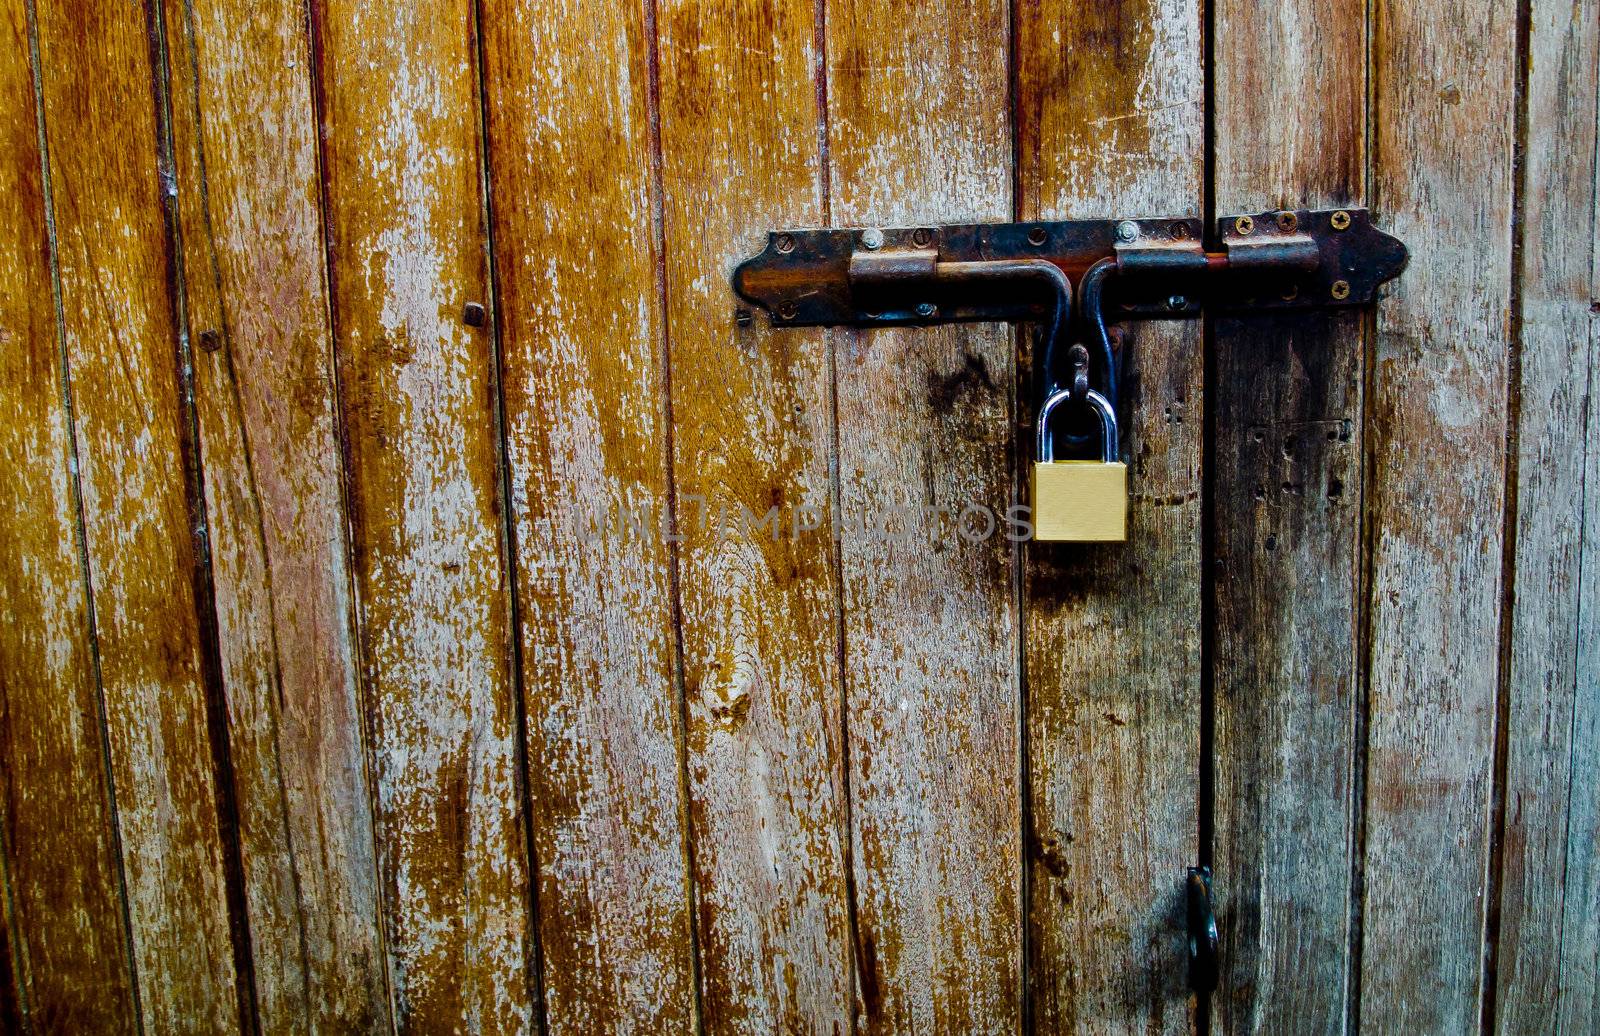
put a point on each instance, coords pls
(123, 357)
(1580, 907)
(919, 133)
(69, 955)
(245, 143)
(1110, 124)
(1288, 454)
(1547, 947)
(752, 424)
(404, 205)
(567, 87)
(1443, 83)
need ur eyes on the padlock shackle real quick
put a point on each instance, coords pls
(1045, 441)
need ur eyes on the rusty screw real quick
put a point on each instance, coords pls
(210, 341)
(1288, 221)
(1341, 290)
(1244, 225)
(1180, 231)
(1036, 236)
(785, 243)
(872, 239)
(921, 237)
(787, 310)
(1340, 220)
(474, 315)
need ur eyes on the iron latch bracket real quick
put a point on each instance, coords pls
(868, 277)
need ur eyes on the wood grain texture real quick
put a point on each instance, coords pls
(123, 355)
(1549, 906)
(404, 205)
(919, 133)
(1288, 469)
(1110, 126)
(568, 89)
(1443, 81)
(245, 144)
(67, 938)
(753, 433)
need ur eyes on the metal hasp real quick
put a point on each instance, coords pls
(929, 275)
(1130, 269)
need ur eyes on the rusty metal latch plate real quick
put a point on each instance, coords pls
(1276, 260)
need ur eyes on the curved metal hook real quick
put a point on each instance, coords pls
(1092, 296)
(1060, 320)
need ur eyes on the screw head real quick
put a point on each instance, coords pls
(474, 315)
(742, 316)
(785, 243)
(1288, 221)
(1127, 230)
(1243, 226)
(921, 237)
(872, 238)
(210, 341)
(1340, 220)
(926, 309)
(1180, 231)
(1177, 302)
(1036, 236)
(787, 310)
(1341, 289)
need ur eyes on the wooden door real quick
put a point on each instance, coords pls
(434, 603)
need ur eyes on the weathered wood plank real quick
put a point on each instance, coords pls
(1443, 81)
(1287, 528)
(1110, 124)
(123, 355)
(404, 205)
(245, 145)
(919, 132)
(1547, 947)
(66, 938)
(567, 87)
(753, 431)
(1580, 907)
(1581, 896)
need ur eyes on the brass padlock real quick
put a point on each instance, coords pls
(1080, 501)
